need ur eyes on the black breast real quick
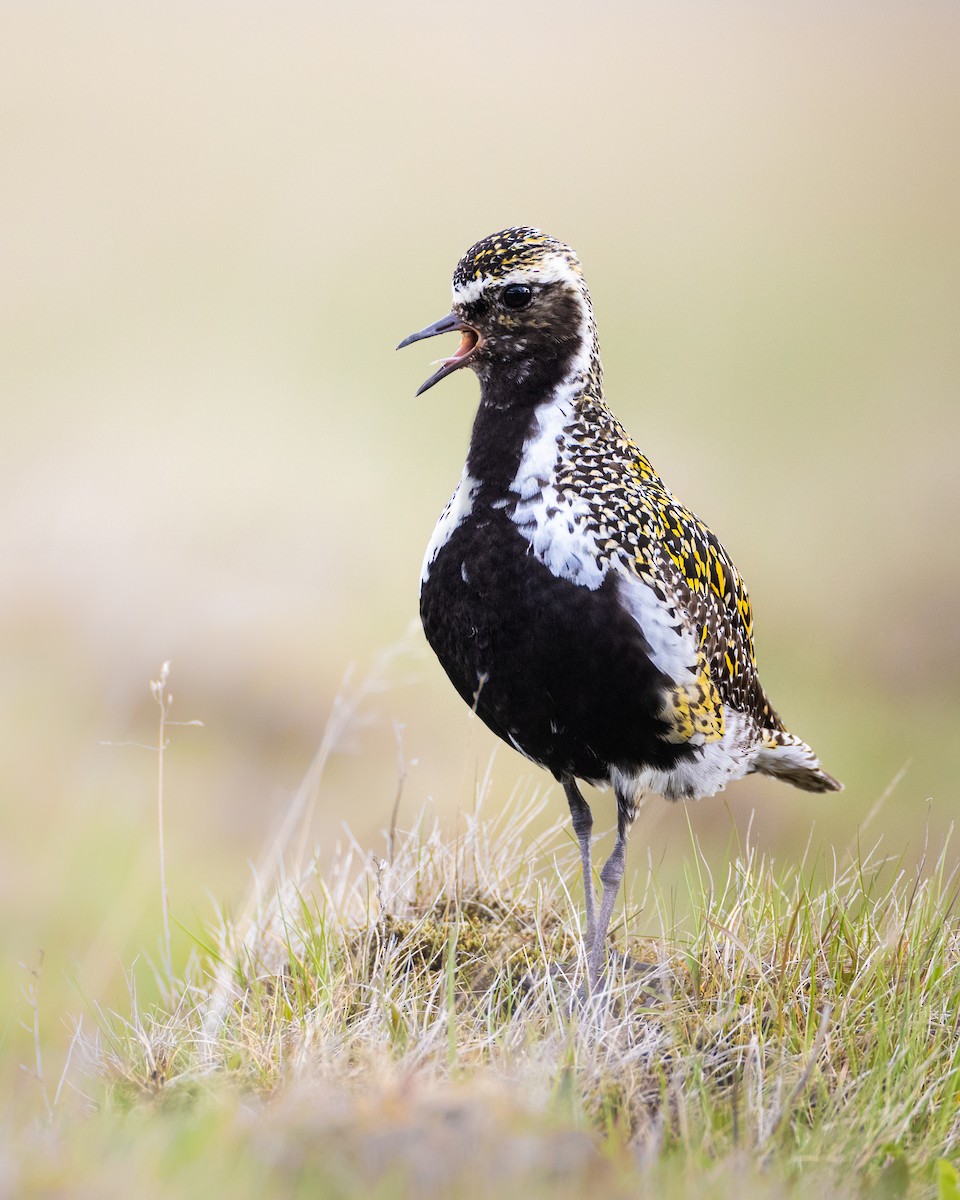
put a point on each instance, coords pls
(561, 672)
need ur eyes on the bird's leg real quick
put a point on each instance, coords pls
(611, 876)
(582, 827)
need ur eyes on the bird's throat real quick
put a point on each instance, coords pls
(497, 443)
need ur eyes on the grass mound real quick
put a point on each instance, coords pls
(415, 1026)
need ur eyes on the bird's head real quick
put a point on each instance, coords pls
(523, 312)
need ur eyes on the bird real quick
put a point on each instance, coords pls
(590, 620)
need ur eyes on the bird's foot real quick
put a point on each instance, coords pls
(622, 984)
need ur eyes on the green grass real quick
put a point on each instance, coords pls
(413, 1025)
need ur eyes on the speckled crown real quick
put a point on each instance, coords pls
(506, 251)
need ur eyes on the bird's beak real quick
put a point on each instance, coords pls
(469, 340)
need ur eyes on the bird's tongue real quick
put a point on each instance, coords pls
(468, 339)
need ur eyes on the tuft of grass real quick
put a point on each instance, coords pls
(415, 1026)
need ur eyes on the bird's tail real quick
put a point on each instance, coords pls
(785, 756)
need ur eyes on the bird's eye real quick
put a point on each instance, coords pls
(517, 295)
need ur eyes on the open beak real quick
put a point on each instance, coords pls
(469, 340)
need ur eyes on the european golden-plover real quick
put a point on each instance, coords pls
(592, 621)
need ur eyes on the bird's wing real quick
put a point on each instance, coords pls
(692, 582)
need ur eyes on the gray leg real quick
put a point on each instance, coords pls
(582, 827)
(611, 877)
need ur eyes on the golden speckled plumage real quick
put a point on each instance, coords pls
(641, 524)
(518, 248)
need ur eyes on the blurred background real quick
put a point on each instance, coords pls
(218, 219)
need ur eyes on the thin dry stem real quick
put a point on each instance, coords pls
(158, 688)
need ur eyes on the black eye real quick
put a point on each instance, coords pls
(516, 295)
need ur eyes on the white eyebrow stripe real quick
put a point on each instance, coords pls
(552, 268)
(466, 293)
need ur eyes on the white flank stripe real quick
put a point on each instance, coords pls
(673, 649)
(558, 527)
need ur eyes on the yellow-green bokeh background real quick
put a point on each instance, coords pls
(218, 220)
